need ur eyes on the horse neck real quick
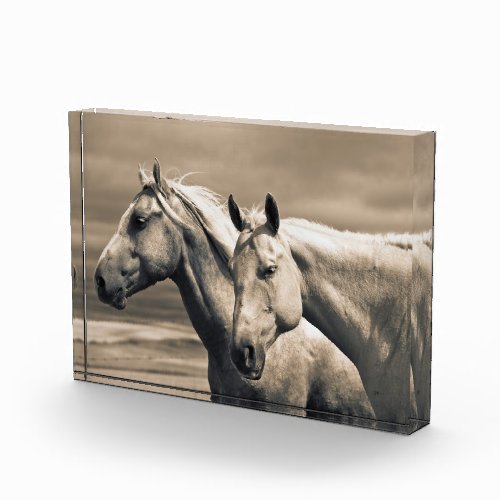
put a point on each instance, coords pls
(355, 279)
(207, 292)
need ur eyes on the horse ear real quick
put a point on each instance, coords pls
(272, 213)
(162, 186)
(143, 178)
(157, 173)
(235, 213)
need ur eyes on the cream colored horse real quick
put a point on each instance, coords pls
(172, 230)
(370, 295)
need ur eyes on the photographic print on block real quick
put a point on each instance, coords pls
(278, 266)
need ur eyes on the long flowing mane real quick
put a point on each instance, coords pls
(210, 210)
(405, 241)
(207, 208)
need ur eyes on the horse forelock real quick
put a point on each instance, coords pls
(254, 217)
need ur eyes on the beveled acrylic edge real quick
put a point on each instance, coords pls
(327, 417)
(248, 121)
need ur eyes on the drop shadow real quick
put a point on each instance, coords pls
(135, 421)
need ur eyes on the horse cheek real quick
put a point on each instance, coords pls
(297, 309)
(291, 312)
(161, 253)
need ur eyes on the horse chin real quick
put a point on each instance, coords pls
(120, 302)
(121, 305)
(117, 300)
(120, 299)
(254, 374)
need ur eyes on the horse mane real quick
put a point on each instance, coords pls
(405, 241)
(207, 208)
(210, 210)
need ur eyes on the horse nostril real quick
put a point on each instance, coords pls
(100, 281)
(249, 356)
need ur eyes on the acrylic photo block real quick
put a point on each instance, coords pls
(278, 266)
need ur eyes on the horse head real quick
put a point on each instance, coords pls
(266, 284)
(146, 246)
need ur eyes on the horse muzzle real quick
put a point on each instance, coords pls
(112, 295)
(249, 360)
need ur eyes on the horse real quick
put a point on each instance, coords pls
(369, 294)
(183, 232)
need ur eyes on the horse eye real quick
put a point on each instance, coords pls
(271, 270)
(140, 221)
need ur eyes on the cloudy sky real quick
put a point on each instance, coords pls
(355, 181)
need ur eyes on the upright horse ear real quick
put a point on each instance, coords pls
(235, 213)
(162, 186)
(143, 178)
(272, 213)
(157, 173)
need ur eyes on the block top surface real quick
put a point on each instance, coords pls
(244, 121)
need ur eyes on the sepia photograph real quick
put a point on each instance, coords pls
(309, 295)
(270, 270)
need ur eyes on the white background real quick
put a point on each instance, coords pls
(419, 65)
